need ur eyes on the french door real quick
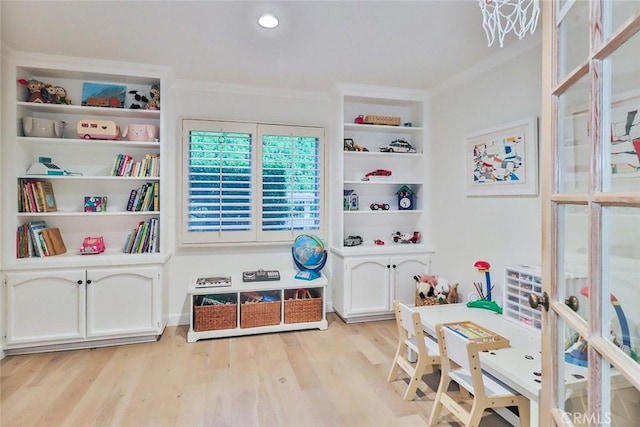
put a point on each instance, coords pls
(590, 169)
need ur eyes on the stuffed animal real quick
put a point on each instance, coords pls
(61, 95)
(37, 90)
(139, 100)
(154, 102)
(452, 296)
(435, 286)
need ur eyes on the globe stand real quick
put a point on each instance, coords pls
(306, 273)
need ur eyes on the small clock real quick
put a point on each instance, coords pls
(405, 203)
(405, 198)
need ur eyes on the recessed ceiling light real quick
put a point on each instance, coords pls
(268, 21)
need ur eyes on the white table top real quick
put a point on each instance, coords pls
(519, 365)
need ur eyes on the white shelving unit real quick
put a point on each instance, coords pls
(238, 289)
(388, 268)
(521, 281)
(89, 164)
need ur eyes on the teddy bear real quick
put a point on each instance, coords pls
(435, 286)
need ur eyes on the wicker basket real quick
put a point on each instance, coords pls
(214, 317)
(257, 314)
(427, 300)
(382, 120)
(305, 309)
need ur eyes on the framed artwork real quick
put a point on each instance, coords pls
(103, 95)
(503, 161)
(625, 134)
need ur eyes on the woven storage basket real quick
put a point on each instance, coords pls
(214, 317)
(427, 301)
(302, 310)
(382, 120)
(259, 314)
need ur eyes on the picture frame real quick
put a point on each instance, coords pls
(103, 95)
(503, 161)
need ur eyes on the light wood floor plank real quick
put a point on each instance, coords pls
(311, 378)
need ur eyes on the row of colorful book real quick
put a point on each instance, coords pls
(36, 239)
(145, 238)
(124, 165)
(35, 195)
(145, 198)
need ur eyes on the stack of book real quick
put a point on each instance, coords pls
(124, 165)
(36, 196)
(145, 238)
(36, 239)
(145, 198)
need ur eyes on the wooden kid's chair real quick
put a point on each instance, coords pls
(411, 336)
(487, 392)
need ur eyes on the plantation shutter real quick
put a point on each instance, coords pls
(290, 181)
(219, 194)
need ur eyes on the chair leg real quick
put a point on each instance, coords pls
(524, 412)
(393, 373)
(415, 379)
(475, 416)
(437, 405)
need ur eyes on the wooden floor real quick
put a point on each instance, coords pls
(335, 377)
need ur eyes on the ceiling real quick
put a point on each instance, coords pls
(412, 44)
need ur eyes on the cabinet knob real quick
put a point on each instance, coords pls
(394, 266)
(79, 282)
(88, 282)
(388, 266)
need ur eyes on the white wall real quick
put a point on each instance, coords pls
(501, 230)
(207, 100)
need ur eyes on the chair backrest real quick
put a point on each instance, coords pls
(408, 319)
(410, 326)
(456, 348)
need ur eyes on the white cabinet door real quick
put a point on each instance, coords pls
(123, 301)
(402, 271)
(368, 286)
(45, 307)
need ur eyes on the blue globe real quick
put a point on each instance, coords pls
(309, 255)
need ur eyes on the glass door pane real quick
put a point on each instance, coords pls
(573, 265)
(573, 37)
(622, 142)
(573, 138)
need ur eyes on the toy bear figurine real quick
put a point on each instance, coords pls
(61, 96)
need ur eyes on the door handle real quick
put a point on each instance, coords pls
(572, 302)
(535, 301)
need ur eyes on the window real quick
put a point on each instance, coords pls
(247, 182)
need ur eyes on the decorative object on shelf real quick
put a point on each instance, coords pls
(399, 237)
(352, 241)
(379, 206)
(502, 161)
(140, 132)
(500, 17)
(407, 124)
(136, 100)
(405, 198)
(45, 167)
(378, 173)
(37, 90)
(398, 146)
(103, 95)
(378, 242)
(309, 255)
(350, 200)
(95, 203)
(98, 129)
(349, 145)
(92, 246)
(154, 102)
(42, 128)
(382, 120)
(359, 120)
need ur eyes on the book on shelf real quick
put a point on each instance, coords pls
(143, 238)
(37, 239)
(124, 165)
(144, 198)
(36, 195)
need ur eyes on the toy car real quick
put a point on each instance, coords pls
(399, 237)
(376, 206)
(92, 246)
(359, 120)
(398, 146)
(353, 241)
(349, 145)
(377, 172)
(378, 242)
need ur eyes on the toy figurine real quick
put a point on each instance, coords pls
(36, 89)
(61, 95)
(154, 102)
